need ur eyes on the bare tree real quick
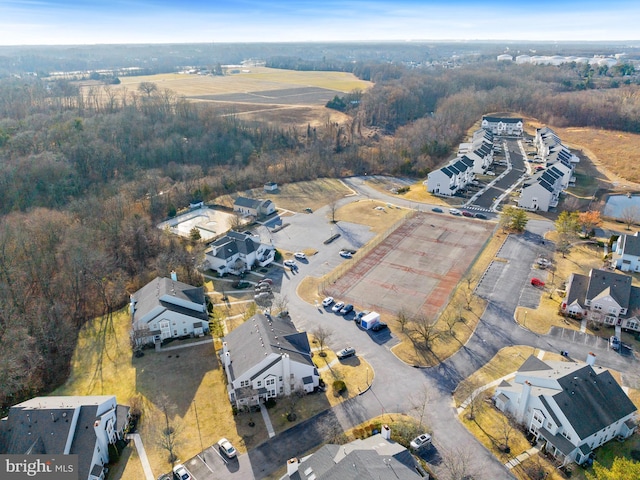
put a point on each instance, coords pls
(333, 208)
(280, 302)
(236, 222)
(168, 433)
(459, 463)
(630, 215)
(148, 88)
(452, 316)
(423, 329)
(322, 335)
(506, 426)
(403, 318)
(419, 401)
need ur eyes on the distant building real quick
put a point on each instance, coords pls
(505, 126)
(74, 425)
(253, 207)
(505, 58)
(270, 187)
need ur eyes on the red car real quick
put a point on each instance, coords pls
(536, 282)
(467, 214)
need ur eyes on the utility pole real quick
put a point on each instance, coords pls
(195, 407)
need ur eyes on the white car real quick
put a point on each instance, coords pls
(421, 441)
(180, 472)
(337, 307)
(490, 173)
(300, 255)
(289, 263)
(455, 211)
(225, 447)
(346, 254)
(327, 301)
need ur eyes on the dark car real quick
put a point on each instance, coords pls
(379, 326)
(437, 210)
(348, 308)
(467, 214)
(481, 216)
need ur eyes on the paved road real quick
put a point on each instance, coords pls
(396, 384)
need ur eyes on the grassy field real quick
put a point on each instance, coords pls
(258, 79)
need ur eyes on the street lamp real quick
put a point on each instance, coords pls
(367, 376)
(525, 319)
(199, 434)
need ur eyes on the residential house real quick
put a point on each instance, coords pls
(253, 207)
(480, 150)
(456, 175)
(504, 126)
(542, 190)
(236, 253)
(605, 297)
(166, 308)
(266, 357)
(372, 458)
(626, 253)
(572, 408)
(83, 426)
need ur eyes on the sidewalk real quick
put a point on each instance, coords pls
(521, 458)
(267, 420)
(146, 466)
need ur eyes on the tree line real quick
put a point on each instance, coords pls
(85, 176)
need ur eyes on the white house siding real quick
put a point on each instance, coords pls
(181, 325)
(535, 197)
(440, 183)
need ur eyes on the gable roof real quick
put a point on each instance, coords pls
(247, 202)
(502, 119)
(259, 337)
(577, 289)
(164, 294)
(533, 364)
(372, 458)
(619, 286)
(630, 244)
(592, 401)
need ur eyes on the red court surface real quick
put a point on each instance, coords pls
(416, 268)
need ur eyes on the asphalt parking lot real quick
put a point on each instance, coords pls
(211, 465)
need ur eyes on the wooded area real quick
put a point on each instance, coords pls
(83, 180)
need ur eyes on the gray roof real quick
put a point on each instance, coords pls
(533, 364)
(447, 171)
(561, 443)
(84, 440)
(630, 244)
(234, 242)
(163, 294)
(373, 458)
(591, 401)
(618, 286)
(503, 120)
(247, 202)
(577, 289)
(42, 425)
(258, 337)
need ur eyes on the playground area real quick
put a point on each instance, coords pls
(416, 268)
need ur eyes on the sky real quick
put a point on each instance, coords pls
(72, 22)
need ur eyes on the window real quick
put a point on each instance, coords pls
(185, 331)
(280, 378)
(270, 381)
(244, 383)
(259, 383)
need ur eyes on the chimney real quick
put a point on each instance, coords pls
(591, 359)
(524, 399)
(386, 432)
(174, 276)
(292, 466)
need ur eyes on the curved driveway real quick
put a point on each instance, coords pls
(397, 383)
